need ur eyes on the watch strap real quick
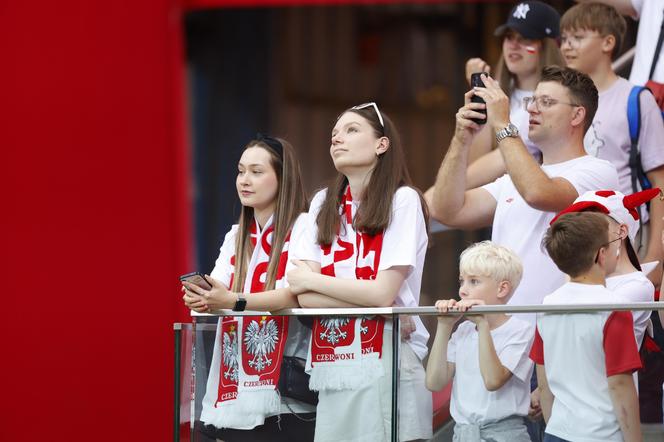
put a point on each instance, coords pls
(508, 131)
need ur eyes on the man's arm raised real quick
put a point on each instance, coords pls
(539, 190)
(451, 204)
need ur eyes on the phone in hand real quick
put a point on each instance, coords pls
(197, 278)
(476, 81)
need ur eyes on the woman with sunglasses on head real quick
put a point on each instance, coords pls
(365, 247)
(242, 401)
(529, 43)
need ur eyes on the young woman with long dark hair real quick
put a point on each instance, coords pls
(242, 401)
(365, 246)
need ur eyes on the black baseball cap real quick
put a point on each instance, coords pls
(534, 20)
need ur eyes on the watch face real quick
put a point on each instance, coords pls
(240, 304)
(512, 130)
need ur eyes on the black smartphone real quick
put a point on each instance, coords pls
(198, 279)
(476, 81)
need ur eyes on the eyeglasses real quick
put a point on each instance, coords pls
(375, 106)
(575, 40)
(604, 245)
(544, 102)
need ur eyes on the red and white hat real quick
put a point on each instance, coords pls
(621, 208)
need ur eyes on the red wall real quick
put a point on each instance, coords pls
(95, 224)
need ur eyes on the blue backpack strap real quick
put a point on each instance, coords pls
(634, 121)
(634, 113)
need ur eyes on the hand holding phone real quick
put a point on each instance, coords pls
(197, 278)
(476, 81)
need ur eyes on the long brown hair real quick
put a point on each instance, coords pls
(550, 54)
(389, 173)
(291, 202)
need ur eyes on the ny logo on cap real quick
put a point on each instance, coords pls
(521, 11)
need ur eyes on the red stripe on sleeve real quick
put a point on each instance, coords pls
(620, 352)
(537, 350)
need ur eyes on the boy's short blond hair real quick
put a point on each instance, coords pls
(492, 261)
(603, 19)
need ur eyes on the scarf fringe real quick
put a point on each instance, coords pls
(261, 402)
(228, 416)
(345, 377)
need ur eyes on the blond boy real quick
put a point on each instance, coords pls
(487, 356)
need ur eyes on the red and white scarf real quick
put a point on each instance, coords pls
(345, 351)
(249, 350)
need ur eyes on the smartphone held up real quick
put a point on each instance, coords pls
(197, 278)
(476, 81)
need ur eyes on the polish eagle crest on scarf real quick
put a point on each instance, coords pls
(251, 348)
(340, 346)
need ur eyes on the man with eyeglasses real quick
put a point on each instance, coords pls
(520, 205)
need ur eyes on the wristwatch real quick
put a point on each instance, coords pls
(240, 304)
(509, 131)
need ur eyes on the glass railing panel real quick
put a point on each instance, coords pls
(183, 357)
(237, 361)
(465, 392)
(384, 395)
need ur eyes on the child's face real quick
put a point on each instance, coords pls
(583, 49)
(479, 287)
(521, 54)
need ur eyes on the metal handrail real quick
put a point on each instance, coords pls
(430, 310)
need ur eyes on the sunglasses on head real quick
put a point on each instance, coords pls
(375, 107)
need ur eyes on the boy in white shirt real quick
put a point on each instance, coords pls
(585, 360)
(487, 356)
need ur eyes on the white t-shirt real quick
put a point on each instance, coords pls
(223, 268)
(579, 351)
(297, 342)
(519, 117)
(521, 228)
(404, 244)
(298, 336)
(608, 137)
(471, 402)
(634, 287)
(649, 14)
